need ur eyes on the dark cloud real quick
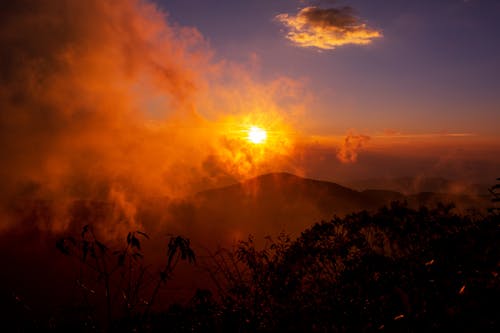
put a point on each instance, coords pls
(341, 18)
(327, 28)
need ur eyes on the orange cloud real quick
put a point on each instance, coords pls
(106, 100)
(327, 29)
(394, 134)
(348, 152)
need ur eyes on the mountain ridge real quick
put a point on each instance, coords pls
(275, 202)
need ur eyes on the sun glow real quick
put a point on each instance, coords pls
(253, 144)
(256, 135)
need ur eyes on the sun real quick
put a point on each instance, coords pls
(256, 135)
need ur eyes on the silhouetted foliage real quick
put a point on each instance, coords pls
(495, 197)
(395, 270)
(125, 279)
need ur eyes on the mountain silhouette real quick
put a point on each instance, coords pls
(271, 203)
(284, 189)
(415, 185)
(276, 202)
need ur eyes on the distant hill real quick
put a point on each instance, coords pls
(283, 190)
(265, 205)
(415, 185)
(271, 203)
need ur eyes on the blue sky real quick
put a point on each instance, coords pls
(435, 69)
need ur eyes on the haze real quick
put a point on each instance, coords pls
(219, 119)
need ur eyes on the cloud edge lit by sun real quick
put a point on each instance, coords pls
(327, 29)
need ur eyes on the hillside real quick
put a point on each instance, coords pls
(276, 202)
(271, 203)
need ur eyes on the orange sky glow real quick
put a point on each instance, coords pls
(127, 102)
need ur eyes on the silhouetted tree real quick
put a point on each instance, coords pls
(122, 274)
(398, 269)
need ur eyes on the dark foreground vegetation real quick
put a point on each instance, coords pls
(395, 270)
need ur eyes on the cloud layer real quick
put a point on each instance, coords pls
(348, 152)
(327, 29)
(106, 100)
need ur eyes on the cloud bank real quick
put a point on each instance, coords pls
(327, 29)
(106, 100)
(348, 151)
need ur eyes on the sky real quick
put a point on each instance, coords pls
(122, 99)
(118, 113)
(435, 69)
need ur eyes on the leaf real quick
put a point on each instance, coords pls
(191, 256)
(137, 255)
(172, 249)
(101, 246)
(92, 252)
(85, 229)
(61, 246)
(85, 250)
(135, 242)
(143, 234)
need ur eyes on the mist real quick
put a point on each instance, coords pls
(110, 101)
